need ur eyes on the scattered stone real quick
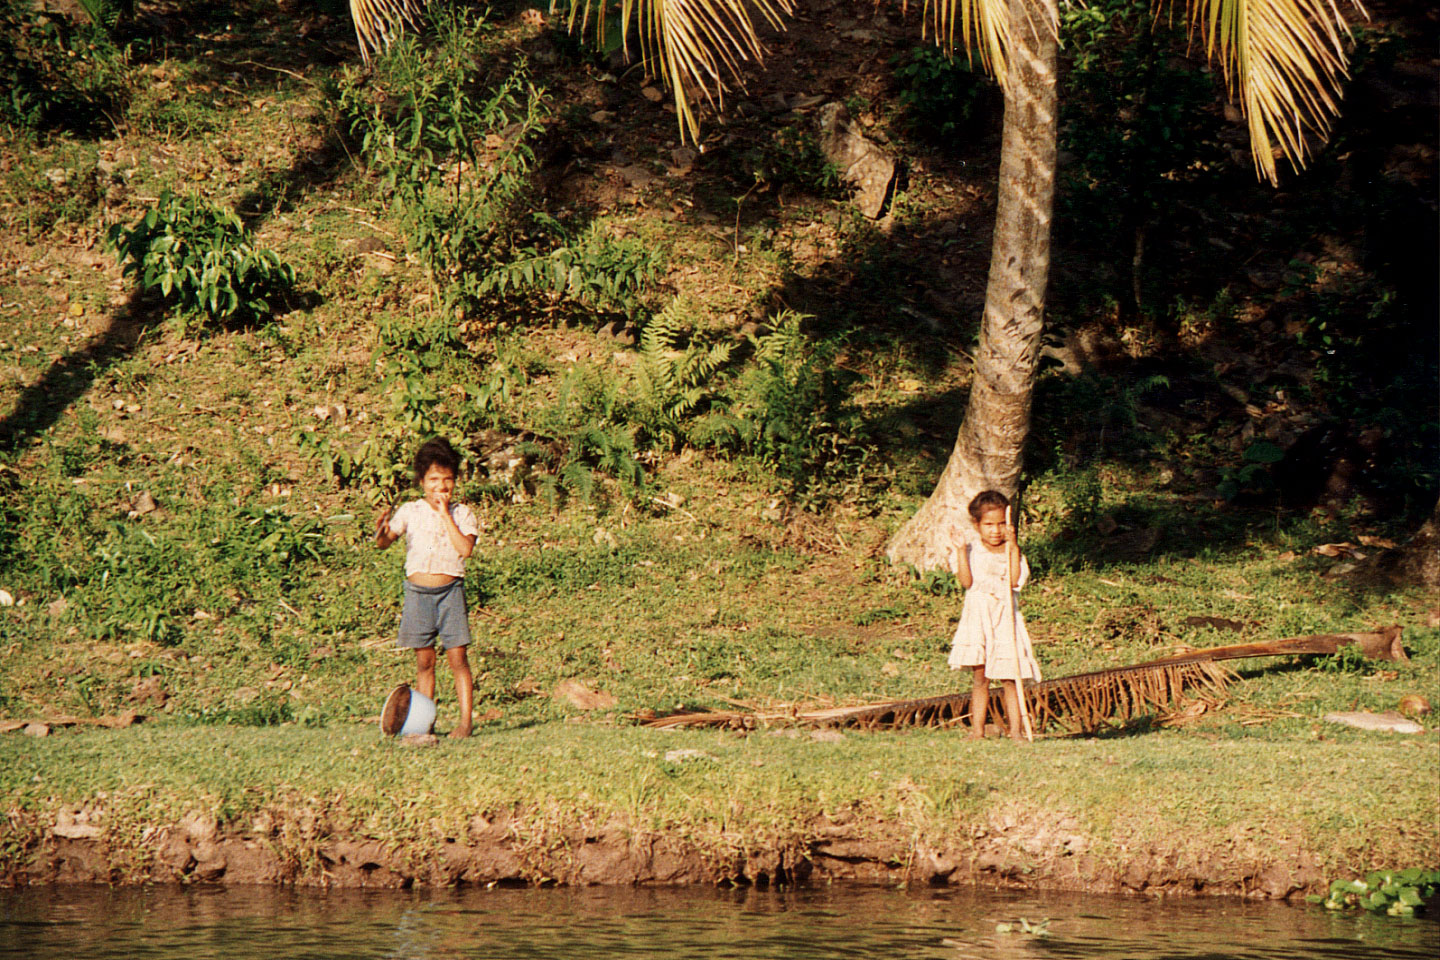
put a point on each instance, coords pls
(244, 694)
(861, 161)
(1219, 623)
(891, 669)
(76, 831)
(1414, 705)
(199, 827)
(604, 538)
(419, 740)
(602, 116)
(124, 719)
(579, 695)
(683, 159)
(680, 756)
(144, 504)
(58, 607)
(827, 736)
(148, 690)
(36, 729)
(636, 176)
(1388, 722)
(7, 599)
(322, 653)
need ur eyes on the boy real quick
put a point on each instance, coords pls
(439, 535)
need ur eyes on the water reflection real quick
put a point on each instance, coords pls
(266, 923)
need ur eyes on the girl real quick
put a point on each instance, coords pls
(986, 569)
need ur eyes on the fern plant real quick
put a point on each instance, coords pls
(594, 268)
(671, 384)
(789, 408)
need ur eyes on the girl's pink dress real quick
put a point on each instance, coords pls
(983, 635)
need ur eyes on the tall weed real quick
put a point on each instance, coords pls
(451, 142)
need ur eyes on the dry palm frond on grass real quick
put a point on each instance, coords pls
(1081, 703)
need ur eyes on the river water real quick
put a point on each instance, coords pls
(266, 923)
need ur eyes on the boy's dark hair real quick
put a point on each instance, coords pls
(435, 452)
(985, 500)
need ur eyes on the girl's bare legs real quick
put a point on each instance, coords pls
(425, 671)
(464, 687)
(1012, 708)
(979, 704)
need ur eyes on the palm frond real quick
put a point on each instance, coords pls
(1284, 61)
(1080, 703)
(379, 22)
(689, 44)
(984, 31)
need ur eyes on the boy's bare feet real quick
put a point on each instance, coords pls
(460, 732)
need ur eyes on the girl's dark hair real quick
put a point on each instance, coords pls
(435, 452)
(986, 499)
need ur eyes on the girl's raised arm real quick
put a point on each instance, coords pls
(962, 563)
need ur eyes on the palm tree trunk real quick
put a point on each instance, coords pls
(991, 442)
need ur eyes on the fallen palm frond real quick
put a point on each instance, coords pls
(1081, 703)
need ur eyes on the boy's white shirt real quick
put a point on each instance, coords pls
(427, 544)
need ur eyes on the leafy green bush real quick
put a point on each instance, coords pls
(54, 73)
(942, 97)
(451, 144)
(1398, 893)
(1253, 473)
(594, 268)
(791, 156)
(436, 386)
(672, 383)
(201, 256)
(789, 407)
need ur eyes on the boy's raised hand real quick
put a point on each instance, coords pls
(382, 523)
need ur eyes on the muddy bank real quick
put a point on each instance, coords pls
(493, 851)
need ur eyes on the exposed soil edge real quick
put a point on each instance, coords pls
(614, 855)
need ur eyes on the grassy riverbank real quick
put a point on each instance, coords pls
(185, 501)
(1177, 807)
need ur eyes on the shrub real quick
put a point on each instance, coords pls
(792, 156)
(451, 145)
(670, 384)
(201, 256)
(435, 386)
(594, 268)
(788, 407)
(941, 96)
(56, 74)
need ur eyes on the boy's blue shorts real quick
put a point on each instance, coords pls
(432, 612)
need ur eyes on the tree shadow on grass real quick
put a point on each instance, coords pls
(42, 403)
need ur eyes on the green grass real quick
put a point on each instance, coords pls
(1223, 799)
(254, 597)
